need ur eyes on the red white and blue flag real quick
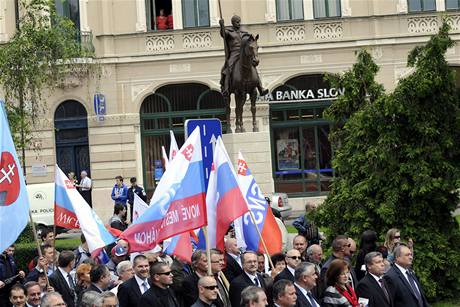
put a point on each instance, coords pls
(178, 204)
(14, 202)
(181, 247)
(224, 200)
(72, 211)
(261, 212)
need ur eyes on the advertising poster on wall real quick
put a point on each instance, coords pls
(288, 154)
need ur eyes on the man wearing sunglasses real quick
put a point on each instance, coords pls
(160, 294)
(207, 292)
(293, 259)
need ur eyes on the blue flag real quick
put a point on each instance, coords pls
(14, 202)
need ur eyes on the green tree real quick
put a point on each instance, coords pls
(42, 55)
(398, 166)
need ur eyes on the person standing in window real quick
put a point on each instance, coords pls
(162, 21)
(170, 21)
(85, 187)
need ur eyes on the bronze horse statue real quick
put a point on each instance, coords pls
(245, 80)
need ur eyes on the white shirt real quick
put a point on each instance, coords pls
(65, 274)
(305, 293)
(376, 277)
(291, 270)
(237, 259)
(85, 184)
(140, 283)
(252, 277)
(404, 272)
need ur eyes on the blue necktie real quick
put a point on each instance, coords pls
(312, 299)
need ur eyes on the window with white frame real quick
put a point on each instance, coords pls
(326, 8)
(159, 14)
(195, 13)
(421, 5)
(452, 4)
(289, 10)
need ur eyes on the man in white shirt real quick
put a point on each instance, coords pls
(33, 294)
(305, 280)
(284, 293)
(293, 259)
(403, 286)
(85, 187)
(130, 291)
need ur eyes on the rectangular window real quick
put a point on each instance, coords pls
(421, 5)
(289, 10)
(159, 15)
(452, 4)
(302, 152)
(326, 8)
(69, 9)
(195, 13)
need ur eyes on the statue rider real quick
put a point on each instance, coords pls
(233, 36)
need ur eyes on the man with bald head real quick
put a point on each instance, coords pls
(293, 259)
(207, 292)
(233, 260)
(300, 243)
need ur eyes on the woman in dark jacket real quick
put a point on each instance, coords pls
(368, 244)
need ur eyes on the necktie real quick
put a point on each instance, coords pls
(312, 299)
(145, 287)
(382, 285)
(256, 281)
(71, 284)
(413, 285)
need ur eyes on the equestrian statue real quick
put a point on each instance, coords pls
(239, 74)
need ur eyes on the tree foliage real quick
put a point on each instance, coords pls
(398, 165)
(44, 52)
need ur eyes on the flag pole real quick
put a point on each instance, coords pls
(262, 239)
(208, 249)
(34, 230)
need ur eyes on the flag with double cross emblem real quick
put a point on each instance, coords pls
(14, 202)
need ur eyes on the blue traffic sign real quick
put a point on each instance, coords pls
(100, 106)
(210, 130)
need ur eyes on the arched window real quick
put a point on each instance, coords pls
(168, 109)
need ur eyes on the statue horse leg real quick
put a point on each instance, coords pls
(228, 113)
(239, 99)
(253, 97)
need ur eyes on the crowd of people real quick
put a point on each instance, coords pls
(377, 276)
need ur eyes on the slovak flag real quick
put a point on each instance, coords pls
(224, 200)
(72, 211)
(14, 202)
(178, 204)
(261, 211)
(181, 247)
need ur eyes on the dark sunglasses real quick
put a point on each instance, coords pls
(397, 237)
(164, 273)
(295, 257)
(210, 287)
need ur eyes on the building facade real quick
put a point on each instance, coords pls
(161, 62)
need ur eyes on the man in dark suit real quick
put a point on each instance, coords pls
(293, 258)
(100, 278)
(403, 285)
(372, 285)
(305, 281)
(233, 267)
(189, 291)
(130, 292)
(249, 277)
(61, 280)
(160, 293)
